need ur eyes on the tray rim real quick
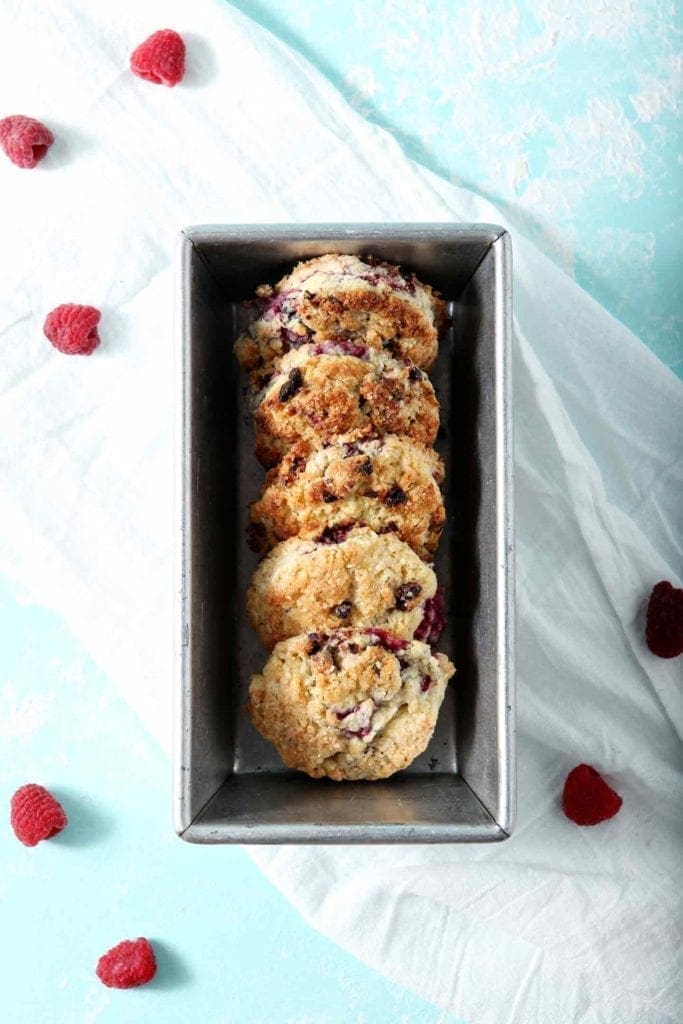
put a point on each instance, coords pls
(188, 825)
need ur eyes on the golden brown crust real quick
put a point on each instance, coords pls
(315, 396)
(384, 320)
(390, 484)
(365, 580)
(344, 296)
(353, 506)
(346, 705)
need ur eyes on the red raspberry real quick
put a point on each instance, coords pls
(587, 799)
(72, 329)
(35, 814)
(130, 963)
(25, 140)
(664, 629)
(160, 59)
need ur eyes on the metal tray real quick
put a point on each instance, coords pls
(230, 785)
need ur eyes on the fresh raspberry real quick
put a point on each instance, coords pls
(587, 799)
(130, 963)
(160, 59)
(664, 629)
(72, 329)
(25, 140)
(35, 814)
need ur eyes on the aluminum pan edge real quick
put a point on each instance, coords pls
(196, 824)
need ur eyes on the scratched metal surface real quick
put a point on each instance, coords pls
(231, 784)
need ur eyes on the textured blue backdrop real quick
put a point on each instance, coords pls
(567, 115)
(230, 949)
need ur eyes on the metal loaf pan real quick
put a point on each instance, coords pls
(230, 785)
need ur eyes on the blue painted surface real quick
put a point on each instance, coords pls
(566, 115)
(230, 948)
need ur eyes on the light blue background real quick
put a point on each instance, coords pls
(565, 114)
(567, 121)
(230, 949)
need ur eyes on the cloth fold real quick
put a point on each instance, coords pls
(559, 923)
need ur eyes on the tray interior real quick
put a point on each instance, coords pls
(233, 785)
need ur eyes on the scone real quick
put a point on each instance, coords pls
(331, 388)
(351, 704)
(390, 484)
(367, 579)
(338, 296)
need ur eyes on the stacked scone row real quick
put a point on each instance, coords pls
(349, 516)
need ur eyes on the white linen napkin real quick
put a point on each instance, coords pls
(559, 924)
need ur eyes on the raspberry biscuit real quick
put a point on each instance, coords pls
(390, 484)
(366, 579)
(351, 704)
(337, 296)
(331, 388)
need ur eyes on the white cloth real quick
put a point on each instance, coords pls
(559, 924)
